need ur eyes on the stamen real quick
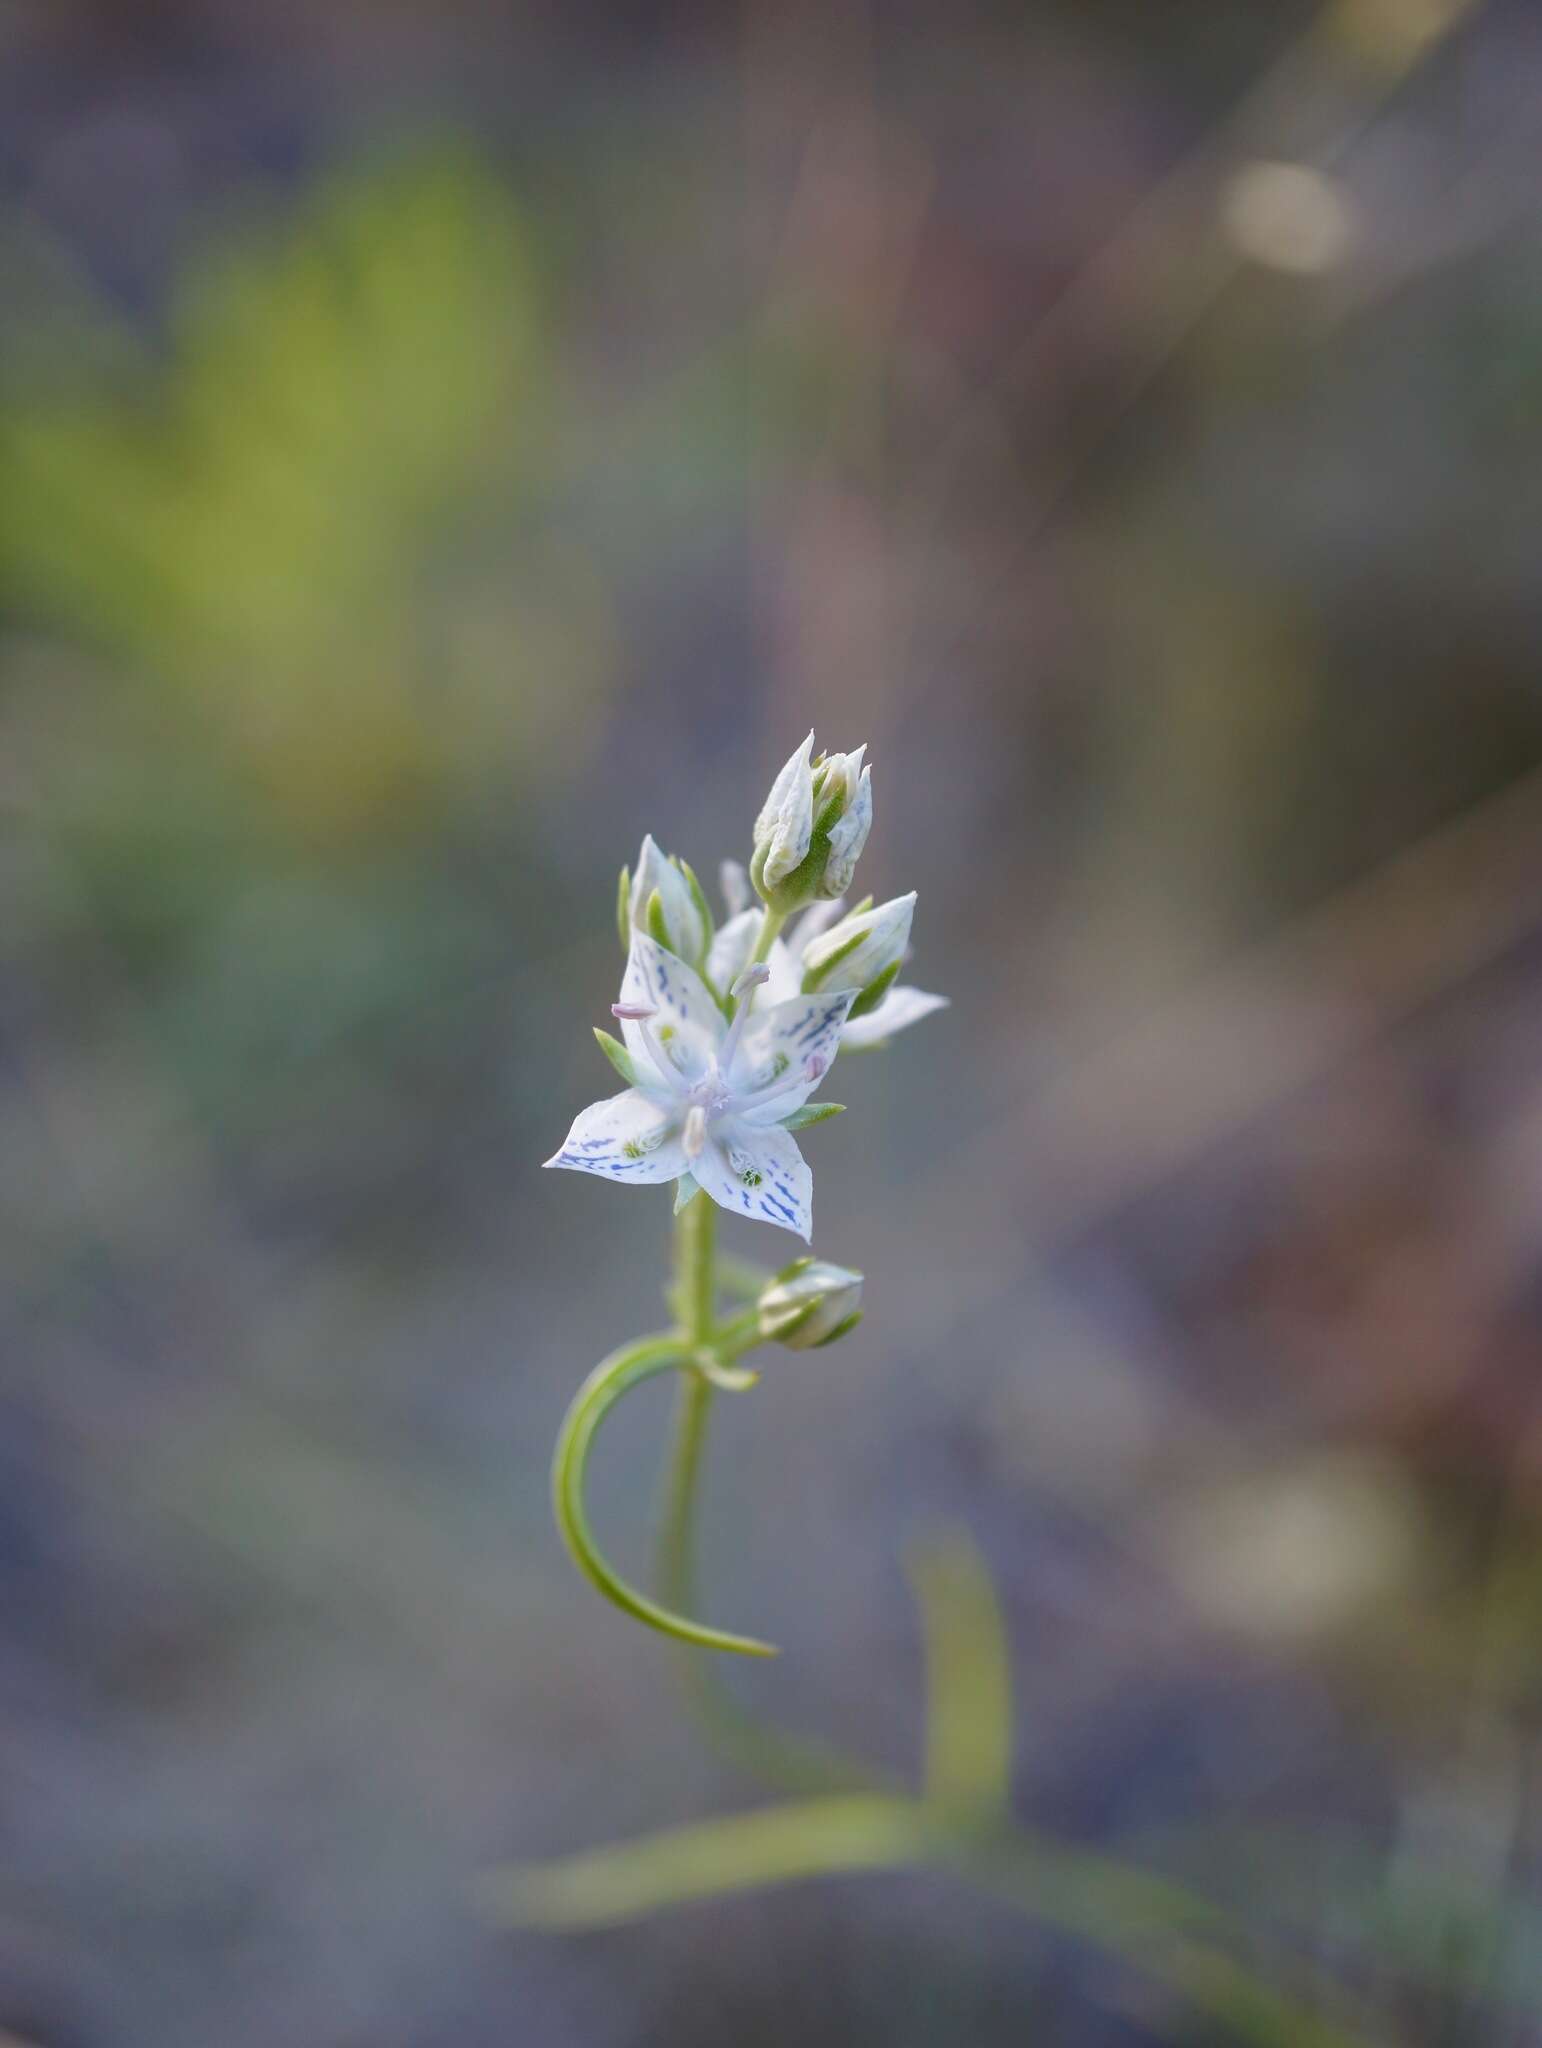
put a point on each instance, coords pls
(753, 975)
(642, 1015)
(814, 1069)
(695, 1134)
(745, 985)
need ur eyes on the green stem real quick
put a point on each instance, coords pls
(695, 1294)
(783, 1760)
(600, 1392)
(771, 922)
(695, 1286)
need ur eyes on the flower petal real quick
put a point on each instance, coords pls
(730, 955)
(900, 1008)
(848, 838)
(757, 1172)
(816, 919)
(626, 1137)
(681, 926)
(735, 885)
(786, 822)
(863, 946)
(797, 1039)
(786, 981)
(731, 949)
(687, 1024)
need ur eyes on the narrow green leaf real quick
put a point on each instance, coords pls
(969, 1704)
(624, 909)
(618, 1056)
(805, 1838)
(812, 1113)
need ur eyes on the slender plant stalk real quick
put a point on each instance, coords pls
(771, 922)
(778, 1759)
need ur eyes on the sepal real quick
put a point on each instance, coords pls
(812, 1113)
(618, 1056)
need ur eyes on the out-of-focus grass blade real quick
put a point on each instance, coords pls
(807, 1838)
(969, 1680)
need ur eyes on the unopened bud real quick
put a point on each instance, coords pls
(812, 828)
(664, 899)
(864, 951)
(810, 1303)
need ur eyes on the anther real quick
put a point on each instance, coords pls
(695, 1134)
(633, 1013)
(752, 977)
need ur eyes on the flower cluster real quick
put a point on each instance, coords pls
(728, 1031)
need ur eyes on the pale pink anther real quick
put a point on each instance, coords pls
(633, 1013)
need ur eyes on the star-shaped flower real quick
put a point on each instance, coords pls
(710, 1095)
(735, 941)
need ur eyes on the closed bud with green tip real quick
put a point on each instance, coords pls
(810, 1303)
(664, 899)
(812, 828)
(864, 950)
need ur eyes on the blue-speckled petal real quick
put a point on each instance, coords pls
(628, 1137)
(758, 1172)
(782, 1041)
(688, 1023)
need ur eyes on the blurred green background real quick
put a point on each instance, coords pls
(440, 443)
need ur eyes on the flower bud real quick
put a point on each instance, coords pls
(664, 899)
(865, 950)
(812, 828)
(810, 1303)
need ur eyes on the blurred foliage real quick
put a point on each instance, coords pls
(283, 528)
(961, 1823)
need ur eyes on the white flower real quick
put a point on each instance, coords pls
(789, 958)
(710, 1095)
(664, 899)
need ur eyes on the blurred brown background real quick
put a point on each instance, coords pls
(439, 443)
